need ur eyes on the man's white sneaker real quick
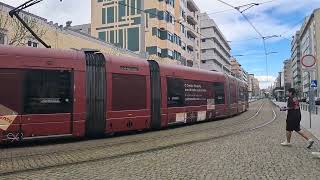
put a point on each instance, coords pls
(316, 154)
(285, 143)
(310, 143)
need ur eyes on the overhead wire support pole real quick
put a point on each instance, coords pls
(266, 56)
(15, 13)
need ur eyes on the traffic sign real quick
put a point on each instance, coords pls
(314, 83)
(308, 61)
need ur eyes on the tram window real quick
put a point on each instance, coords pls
(175, 92)
(128, 92)
(241, 95)
(219, 93)
(47, 92)
(11, 83)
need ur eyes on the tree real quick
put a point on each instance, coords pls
(19, 34)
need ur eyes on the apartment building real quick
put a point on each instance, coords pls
(215, 50)
(309, 45)
(287, 74)
(166, 30)
(253, 86)
(296, 64)
(245, 76)
(57, 36)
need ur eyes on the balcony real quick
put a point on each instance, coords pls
(191, 34)
(190, 42)
(208, 44)
(192, 18)
(209, 55)
(191, 6)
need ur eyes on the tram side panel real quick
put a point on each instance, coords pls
(128, 94)
(40, 87)
(189, 96)
(233, 97)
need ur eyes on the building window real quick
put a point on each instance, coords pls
(122, 10)
(159, 50)
(111, 37)
(203, 40)
(170, 37)
(203, 51)
(103, 15)
(139, 5)
(102, 36)
(183, 45)
(182, 28)
(133, 39)
(152, 50)
(32, 44)
(169, 17)
(162, 34)
(170, 54)
(120, 44)
(177, 55)
(133, 7)
(170, 2)
(110, 15)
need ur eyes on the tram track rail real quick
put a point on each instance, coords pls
(142, 139)
(147, 150)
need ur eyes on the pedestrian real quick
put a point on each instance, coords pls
(293, 119)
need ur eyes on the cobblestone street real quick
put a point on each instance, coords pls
(227, 149)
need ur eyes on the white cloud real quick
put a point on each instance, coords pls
(265, 81)
(264, 17)
(59, 12)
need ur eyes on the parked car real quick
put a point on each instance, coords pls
(303, 100)
(317, 100)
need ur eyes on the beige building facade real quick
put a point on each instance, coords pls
(253, 86)
(57, 36)
(167, 31)
(238, 71)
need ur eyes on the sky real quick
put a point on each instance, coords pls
(273, 17)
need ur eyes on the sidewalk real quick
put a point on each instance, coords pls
(305, 120)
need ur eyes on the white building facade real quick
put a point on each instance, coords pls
(215, 50)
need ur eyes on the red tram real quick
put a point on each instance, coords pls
(49, 93)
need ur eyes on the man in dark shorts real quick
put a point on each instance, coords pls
(293, 119)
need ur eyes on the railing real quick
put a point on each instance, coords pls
(305, 107)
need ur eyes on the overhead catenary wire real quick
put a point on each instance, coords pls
(253, 26)
(226, 10)
(177, 21)
(209, 38)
